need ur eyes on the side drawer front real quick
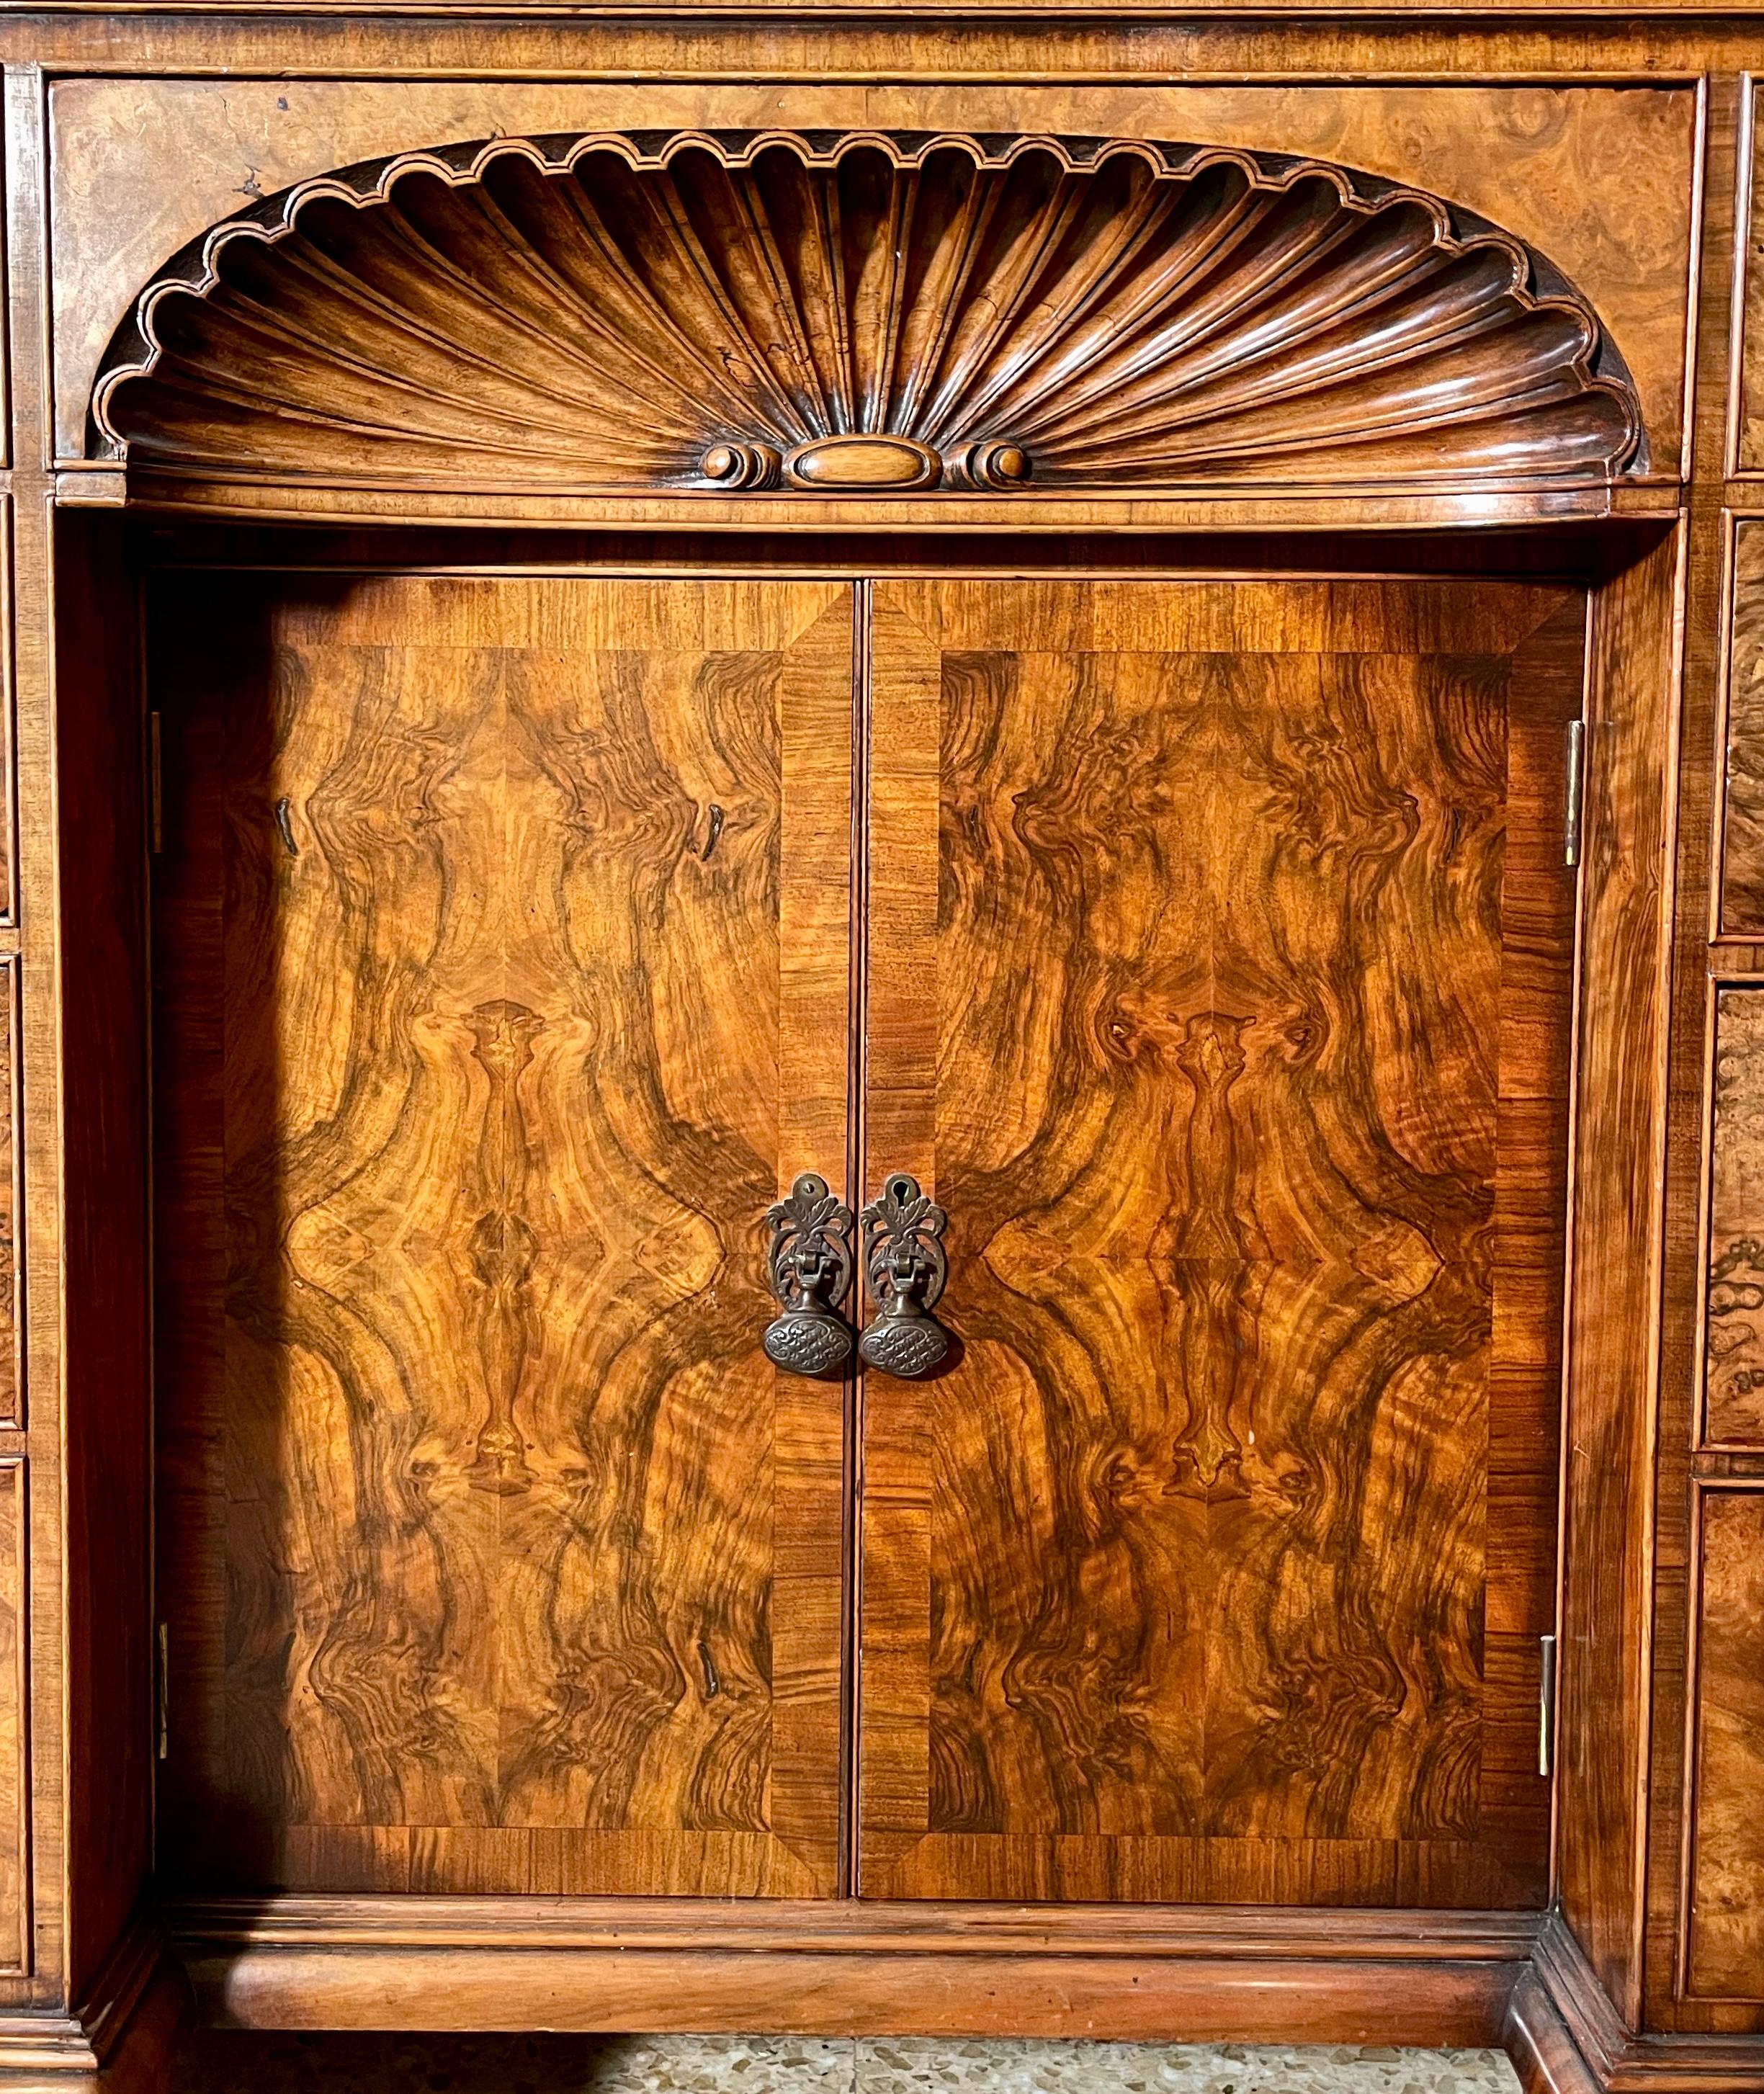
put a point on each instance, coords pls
(1726, 1947)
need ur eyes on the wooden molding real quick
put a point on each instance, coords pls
(851, 1926)
(1537, 2040)
(863, 313)
(1565, 2036)
(839, 1968)
(217, 493)
(123, 2030)
(842, 1968)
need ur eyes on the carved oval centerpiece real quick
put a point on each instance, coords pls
(837, 462)
(863, 314)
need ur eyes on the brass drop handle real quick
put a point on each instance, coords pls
(808, 1264)
(905, 1268)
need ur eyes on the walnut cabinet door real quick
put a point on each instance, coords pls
(1220, 964)
(1210, 971)
(502, 950)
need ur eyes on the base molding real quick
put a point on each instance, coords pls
(1221, 1974)
(1218, 1973)
(1565, 2037)
(121, 2035)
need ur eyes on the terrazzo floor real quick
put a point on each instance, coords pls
(222, 2062)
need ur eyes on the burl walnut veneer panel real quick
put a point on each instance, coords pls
(1749, 445)
(15, 1849)
(1742, 855)
(1733, 1403)
(503, 955)
(12, 1218)
(1219, 983)
(1598, 179)
(1727, 1909)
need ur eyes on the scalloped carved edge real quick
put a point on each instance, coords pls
(1537, 284)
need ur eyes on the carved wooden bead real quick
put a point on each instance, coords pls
(742, 465)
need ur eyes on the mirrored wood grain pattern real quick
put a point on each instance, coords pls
(1214, 1568)
(476, 1470)
(877, 310)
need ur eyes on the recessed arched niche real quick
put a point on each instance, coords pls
(863, 314)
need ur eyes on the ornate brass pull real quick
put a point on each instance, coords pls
(810, 1267)
(905, 1268)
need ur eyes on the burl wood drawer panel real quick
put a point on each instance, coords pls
(1733, 1406)
(1726, 1959)
(8, 740)
(15, 1913)
(11, 1317)
(1742, 846)
(1748, 432)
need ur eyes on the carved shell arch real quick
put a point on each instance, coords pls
(863, 311)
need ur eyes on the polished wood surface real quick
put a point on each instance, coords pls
(854, 1967)
(866, 312)
(11, 1269)
(1733, 1396)
(1749, 419)
(1596, 175)
(496, 1556)
(1614, 1337)
(14, 1895)
(1726, 1934)
(101, 810)
(1742, 829)
(1213, 1569)
(1604, 138)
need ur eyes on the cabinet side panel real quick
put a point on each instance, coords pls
(1614, 1333)
(100, 805)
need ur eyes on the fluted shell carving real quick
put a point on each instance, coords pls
(863, 313)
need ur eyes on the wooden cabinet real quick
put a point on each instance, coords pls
(879, 1138)
(1203, 948)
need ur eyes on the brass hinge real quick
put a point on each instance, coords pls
(1573, 792)
(155, 795)
(163, 1682)
(1546, 1704)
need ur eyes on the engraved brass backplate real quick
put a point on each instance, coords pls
(810, 1265)
(905, 1270)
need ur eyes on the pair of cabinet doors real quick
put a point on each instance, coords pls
(1204, 946)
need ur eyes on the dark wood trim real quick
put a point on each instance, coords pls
(1537, 2041)
(1288, 508)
